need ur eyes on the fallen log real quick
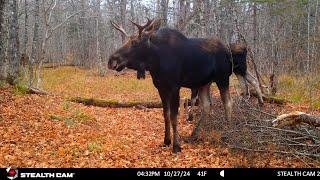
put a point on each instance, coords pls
(115, 104)
(33, 90)
(294, 118)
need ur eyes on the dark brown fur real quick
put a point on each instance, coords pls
(212, 45)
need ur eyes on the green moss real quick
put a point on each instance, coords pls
(94, 147)
(20, 89)
(3, 84)
(53, 153)
(56, 117)
(65, 106)
(80, 116)
(296, 98)
(69, 121)
(316, 105)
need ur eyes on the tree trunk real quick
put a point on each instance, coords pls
(99, 57)
(314, 47)
(123, 6)
(254, 30)
(274, 76)
(182, 15)
(42, 53)
(25, 42)
(35, 42)
(164, 11)
(13, 71)
(24, 56)
(254, 54)
(3, 63)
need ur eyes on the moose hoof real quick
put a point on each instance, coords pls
(167, 142)
(176, 149)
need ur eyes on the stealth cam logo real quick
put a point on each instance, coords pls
(12, 173)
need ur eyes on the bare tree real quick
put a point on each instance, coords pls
(14, 61)
(99, 57)
(3, 71)
(35, 41)
(164, 10)
(123, 7)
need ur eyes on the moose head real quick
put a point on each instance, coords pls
(134, 53)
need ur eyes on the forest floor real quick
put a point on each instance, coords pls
(51, 131)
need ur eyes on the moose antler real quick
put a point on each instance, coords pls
(153, 26)
(115, 25)
(141, 28)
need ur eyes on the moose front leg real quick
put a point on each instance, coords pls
(174, 107)
(166, 114)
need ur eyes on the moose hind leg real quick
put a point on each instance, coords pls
(167, 137)
(194, 95)
(255, 84)
(205, 104)
(243, 85)
(226, 100)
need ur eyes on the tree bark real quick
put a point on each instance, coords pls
(24, 57)
(123, 6)
(99, 57)
(14, 60)
(25, 42)
(164, 11)
(3, 63)
(35, 42)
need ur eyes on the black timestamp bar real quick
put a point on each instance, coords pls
(164, 173)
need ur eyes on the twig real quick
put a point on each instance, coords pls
(284, 130)
(263, 112)
(270, 151)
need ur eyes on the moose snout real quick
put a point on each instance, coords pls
(112, 63)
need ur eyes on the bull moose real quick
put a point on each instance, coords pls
(175, 61)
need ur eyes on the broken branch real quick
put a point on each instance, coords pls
(294, 118)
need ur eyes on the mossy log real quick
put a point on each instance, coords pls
(115, 104)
